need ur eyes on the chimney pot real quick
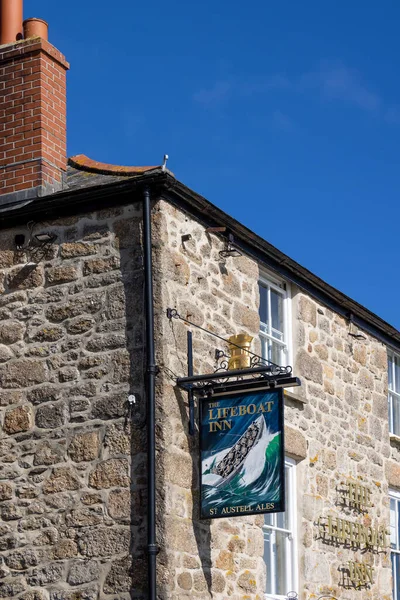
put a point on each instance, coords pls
(36, 28)
(11, 21)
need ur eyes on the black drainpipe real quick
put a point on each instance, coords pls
(151, 372)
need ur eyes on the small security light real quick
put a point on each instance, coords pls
(45, 238)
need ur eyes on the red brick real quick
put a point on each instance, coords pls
(32, 114)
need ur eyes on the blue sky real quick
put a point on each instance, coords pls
(286, 115)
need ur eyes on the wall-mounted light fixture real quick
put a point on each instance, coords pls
(230, 249)
(36, 244)
(45, 238)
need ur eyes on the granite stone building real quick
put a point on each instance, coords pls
(78, 286)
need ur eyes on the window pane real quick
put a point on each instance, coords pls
(264, 348)
(393, 537)
(263, 304)
(279, 546)
(281, 574)
(398, 523)
(395, 424)
(396, 383)
(275, 553)
(270, 519)
(390, 373)
(396, 575)
(277, 311)
(276, 354)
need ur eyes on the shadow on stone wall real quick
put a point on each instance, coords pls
(130, 249)
(201, 528)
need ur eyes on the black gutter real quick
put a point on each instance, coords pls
(151, 372)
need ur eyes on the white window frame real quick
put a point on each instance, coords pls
(282, 287)
(291, 553)
(392, 394)
(395, 495)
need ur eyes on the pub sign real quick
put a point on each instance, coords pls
(242, 454)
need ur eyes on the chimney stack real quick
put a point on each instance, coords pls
(33, 152)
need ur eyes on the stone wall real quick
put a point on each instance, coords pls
(73, 471)
(70, 354)
(336, 427)
(345, 425)
(200, 559)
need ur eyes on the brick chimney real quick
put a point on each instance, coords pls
(33, 153)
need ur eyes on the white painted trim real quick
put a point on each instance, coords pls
(395, 495)
(392, 393)
(283, 288)
(291, 553)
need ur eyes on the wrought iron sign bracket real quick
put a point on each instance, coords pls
(230, 381)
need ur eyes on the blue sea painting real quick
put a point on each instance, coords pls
(242, 454)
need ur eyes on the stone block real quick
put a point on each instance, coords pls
(307, 310)
(82, 571)
(44, 394)
(316, 567)
(62, 274)
(110, 473)
(219, 582)
(119, 505)
(119, 576)
(47, 334)
(185, 581)
(80, 325)
(104, 541)
(77, 594)
(117, 439)
(11, 397)
(110, 407)
(74, 249)
(34, 595)
(100, 265)
(90, 303)
(26, 277)
(179, 535)
(295, 443)
(61, 479)
(20, 560)
(11, 332)
(17, 420)
(179, 466)
(84, 447)
(22, 373)
(48, 453)
(309, 367)
(365, 380)
(6, 491)
(45, 575)
(392, 470)
(10, 588)
(51, 416)
(84, 517)
(90, 499)
(104, 343)
(247, 582)
(360, 353)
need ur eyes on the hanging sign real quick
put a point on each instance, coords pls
(242, 454)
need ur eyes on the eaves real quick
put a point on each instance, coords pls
(163, 184)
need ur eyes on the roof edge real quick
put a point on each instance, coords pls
(166, 186)
(272, 258)
(84, 163)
